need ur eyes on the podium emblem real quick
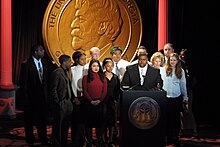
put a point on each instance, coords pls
(144, 113)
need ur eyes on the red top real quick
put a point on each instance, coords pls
(95, 90)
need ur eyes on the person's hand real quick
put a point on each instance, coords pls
(95, 103)
(185, 107)
(77, 102)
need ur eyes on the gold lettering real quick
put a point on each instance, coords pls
(132, 11)
(135, 20)
(59, 4)
(53, 16)
(131, 8)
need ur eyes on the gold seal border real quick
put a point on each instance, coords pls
(136, 20)
(55, 10)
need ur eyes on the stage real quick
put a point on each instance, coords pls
(12, 134)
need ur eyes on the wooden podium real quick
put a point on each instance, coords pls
(142, 119)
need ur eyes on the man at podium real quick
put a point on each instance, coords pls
(142, 106)
(141, 76)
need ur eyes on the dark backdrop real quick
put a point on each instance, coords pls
(192, 25)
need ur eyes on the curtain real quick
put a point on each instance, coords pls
(27, 19)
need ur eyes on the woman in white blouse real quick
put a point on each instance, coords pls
(77, 124)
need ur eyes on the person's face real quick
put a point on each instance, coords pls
(95, 54)
(141, 51)
(109, 66)
(173, 61)
(167, 50)
(84, 29)
(68, 64)
(95, 67)
(39, 53)
(116, 56)
(156, 62)
(182, 56)
(142, 61)
(82, 60)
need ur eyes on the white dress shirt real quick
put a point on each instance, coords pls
(142, 72)
(77, 75)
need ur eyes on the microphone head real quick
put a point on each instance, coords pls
(125, 87)
(128, 88)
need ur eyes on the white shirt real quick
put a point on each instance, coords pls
(174, 86)
(77, 75)
(36, 63)
(142, 72)
(39, 67)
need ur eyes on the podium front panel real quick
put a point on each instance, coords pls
(142, 118)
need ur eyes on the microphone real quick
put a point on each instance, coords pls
(127, 88)
(159, 88)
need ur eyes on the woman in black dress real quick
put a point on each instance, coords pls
(111, 99)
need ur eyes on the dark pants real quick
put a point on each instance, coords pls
(78, 125)
(174, 107)
(35, 116)
(61, 123)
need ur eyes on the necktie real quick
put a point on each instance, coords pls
(142, 73)
(40, 72)
(116, 68)
(142, 76)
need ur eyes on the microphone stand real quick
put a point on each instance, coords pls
(130, 87)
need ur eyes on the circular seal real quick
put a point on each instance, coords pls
(144, 113)
(78, 25)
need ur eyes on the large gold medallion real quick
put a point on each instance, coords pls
(78, 25)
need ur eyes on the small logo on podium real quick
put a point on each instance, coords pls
(144, 113)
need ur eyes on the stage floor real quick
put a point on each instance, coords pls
(12, 135)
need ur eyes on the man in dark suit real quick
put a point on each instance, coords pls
(62, 98)
(141, 76)
(34, 75)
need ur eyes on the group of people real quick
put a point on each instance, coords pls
(85, 96)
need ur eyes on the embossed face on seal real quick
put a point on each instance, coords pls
(79, 25)
(96, 23)
(144, 113)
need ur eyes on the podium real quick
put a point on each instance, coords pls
(142, 119)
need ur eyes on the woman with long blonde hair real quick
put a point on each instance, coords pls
(174, 83)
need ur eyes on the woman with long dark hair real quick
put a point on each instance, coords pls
(94, 89)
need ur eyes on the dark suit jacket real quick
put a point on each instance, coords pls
(32, 91)
(131, 78)
(61, 91)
